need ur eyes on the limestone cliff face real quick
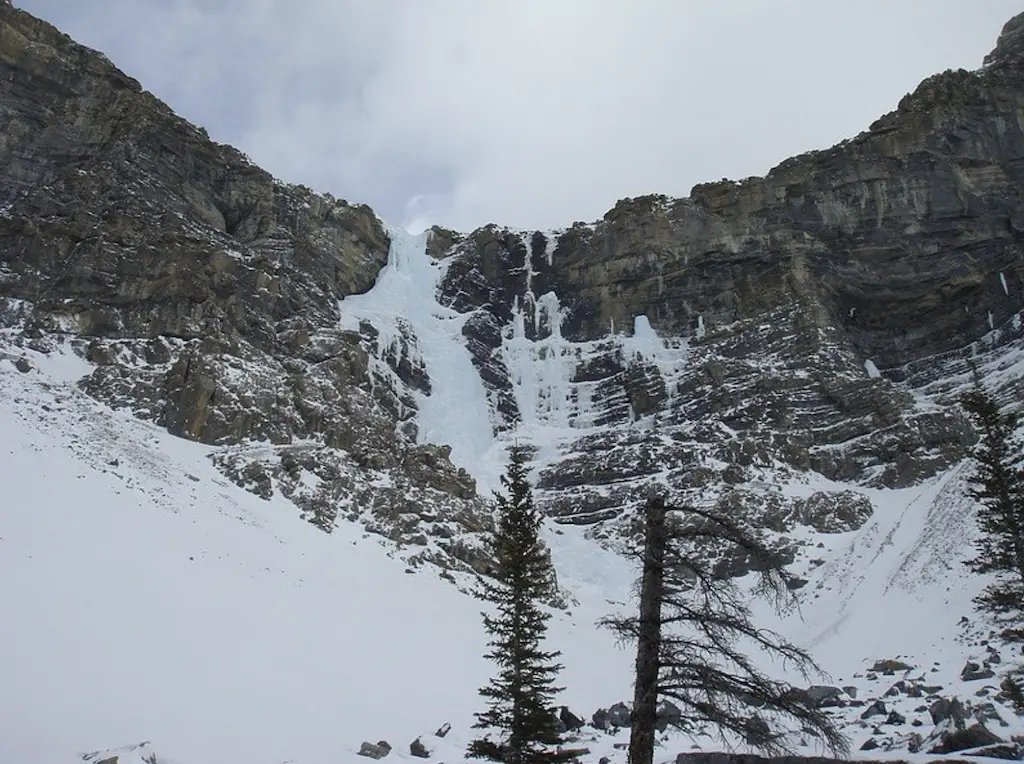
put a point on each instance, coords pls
(826, 310)
(896, 237)
(205, 292)
(137, 224)
(818, 320)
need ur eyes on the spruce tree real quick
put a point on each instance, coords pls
(519, 697)
(998, 485)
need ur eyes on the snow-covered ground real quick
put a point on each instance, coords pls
(147, 598)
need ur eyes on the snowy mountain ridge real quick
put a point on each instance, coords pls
(196, 359)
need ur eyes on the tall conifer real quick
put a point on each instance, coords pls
(998, 485)
(520, 711)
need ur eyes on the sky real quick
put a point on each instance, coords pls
(529, 113)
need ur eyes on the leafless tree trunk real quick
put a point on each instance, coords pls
(648, 647)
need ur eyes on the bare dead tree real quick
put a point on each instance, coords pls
(693, 628)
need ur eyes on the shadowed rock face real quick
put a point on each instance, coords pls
(132, 222)
(818, 319)
(208, 292)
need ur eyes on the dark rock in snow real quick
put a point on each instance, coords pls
(568, 720)
(619, 715)
(820, 695)
(443, 730)
(973, 671)
(418, 749)
(375, 750)
(668, 714)
(875, 709)
(957, 738)
(599, 719)
(1007, 751)
(895, 718)
(986, 712)
(947, 708)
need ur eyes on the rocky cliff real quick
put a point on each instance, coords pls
(819, 320)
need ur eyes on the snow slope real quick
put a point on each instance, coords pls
(146, 597)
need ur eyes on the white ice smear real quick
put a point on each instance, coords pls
(456, 410)
(871, 369)
(1002, 280)
(540, 370)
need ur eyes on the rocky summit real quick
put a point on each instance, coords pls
(817, 322)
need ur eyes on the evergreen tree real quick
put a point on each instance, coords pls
(520, 695)
(691, 617)
(998, 485)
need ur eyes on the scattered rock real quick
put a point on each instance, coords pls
(914, 742)
(946, 708)
(869, 745)
(1009, 751)
(890, 666)
(568, 720)
(669, 714)
(986, 712)
(835, 511)
(973, 671)
(821, 695)
(895, 718)
(23, 365)
(443, 730)
(375, 751)
(418, 749)
(569, 754)
(600, 719)
(619, 715)
(955, 738)
(875, 709)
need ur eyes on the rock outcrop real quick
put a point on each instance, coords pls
(204, 291)
(821, 319)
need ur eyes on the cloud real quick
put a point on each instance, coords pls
(533, 113)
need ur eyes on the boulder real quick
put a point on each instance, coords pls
(973, 671)
(947, 708)
(619, 715)
(418, 749)
(669, 714)
(835, 511)
(376, 750)
(877, 708)
(822, 695)
(895, 718)
(568, 721)
(953, 737)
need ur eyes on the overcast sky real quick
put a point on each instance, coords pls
(531, 113)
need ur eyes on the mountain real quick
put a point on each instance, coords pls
(788, 349)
